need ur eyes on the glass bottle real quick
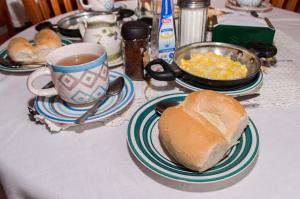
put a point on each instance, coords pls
(163, 31)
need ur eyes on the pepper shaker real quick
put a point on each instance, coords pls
(135, 48)
(192, 21)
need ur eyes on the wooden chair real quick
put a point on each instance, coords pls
(39, 10)
(292, 5)
(6, 27)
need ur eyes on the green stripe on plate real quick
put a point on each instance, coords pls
(140, 141)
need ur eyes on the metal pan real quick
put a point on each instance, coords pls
(68, 26)
(172, 71)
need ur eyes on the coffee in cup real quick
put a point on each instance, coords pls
(79, 73)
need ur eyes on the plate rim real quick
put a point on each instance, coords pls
(126, 102)
(258, 83)
(116, 62)
(144, 162)
(20, 70)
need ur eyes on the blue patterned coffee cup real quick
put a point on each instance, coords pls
(76, 84)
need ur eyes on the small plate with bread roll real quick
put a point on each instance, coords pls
(207, 138)
(31, 54)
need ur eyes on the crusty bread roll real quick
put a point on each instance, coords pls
(46, 41)
(198, 132)
(223, 111)
(20, 50)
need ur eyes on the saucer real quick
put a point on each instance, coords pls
(4, 54)
(116, 62)
(263, 7)
(55, 109)
(250, 87)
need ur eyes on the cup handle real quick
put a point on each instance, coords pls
(40, 92)
(85, 6)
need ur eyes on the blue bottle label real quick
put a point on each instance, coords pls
(166, 32)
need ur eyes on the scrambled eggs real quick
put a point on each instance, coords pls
(212, 66)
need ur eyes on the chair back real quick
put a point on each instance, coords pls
(292, 5)
(40, 10)
(6, 27)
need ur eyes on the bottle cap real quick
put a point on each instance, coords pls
(135, 30)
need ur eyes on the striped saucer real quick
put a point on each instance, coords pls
(55, 109)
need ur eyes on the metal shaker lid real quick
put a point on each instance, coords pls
(193, 3)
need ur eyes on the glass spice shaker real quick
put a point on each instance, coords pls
(192, 21)
(135, 48)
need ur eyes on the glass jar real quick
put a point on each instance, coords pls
(135, 48)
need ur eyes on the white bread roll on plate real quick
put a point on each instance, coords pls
(198, 132)
(20, 50)
(46, 41)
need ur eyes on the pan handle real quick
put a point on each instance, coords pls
(166, 75)
(44, 25)
(262, 50)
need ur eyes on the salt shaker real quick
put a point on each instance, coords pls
(135, 48)
(192, 21)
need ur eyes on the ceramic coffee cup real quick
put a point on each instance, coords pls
(98, 5)
(77, 84)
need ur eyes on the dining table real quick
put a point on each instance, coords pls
(94, 160)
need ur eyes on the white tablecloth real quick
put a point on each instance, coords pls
(94, 161)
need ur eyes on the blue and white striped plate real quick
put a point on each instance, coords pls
(252, 86)
(3, 54)
(144, 143)
(57, 110)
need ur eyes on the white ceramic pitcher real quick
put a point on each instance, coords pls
(103, 29)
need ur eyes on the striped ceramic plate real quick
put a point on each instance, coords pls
(3, 54)
(144, 143)
(55, 109)
(252, 86)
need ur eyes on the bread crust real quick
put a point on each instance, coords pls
(47, 37)
(20, 50)
(20, 45)
(192, 140)
(223, 111)
(198, 132)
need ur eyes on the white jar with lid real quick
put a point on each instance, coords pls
(192, 21)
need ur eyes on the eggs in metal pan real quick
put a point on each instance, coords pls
(213, 66)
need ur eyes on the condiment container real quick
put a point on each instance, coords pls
(135, 48)
(163, 40)
(192, 21)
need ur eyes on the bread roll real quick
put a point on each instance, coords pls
(46, 41)
(198, 132)
(223, 111)
(20, 50)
